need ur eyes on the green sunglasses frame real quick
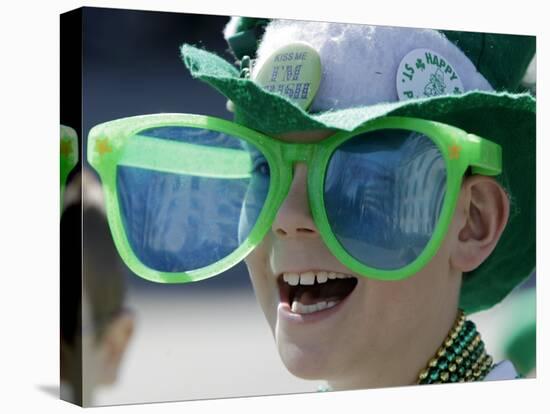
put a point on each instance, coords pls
(68, 157)
(113, 143)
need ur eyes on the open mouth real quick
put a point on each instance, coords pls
(314, 291)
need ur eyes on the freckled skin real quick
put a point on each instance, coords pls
(388, 329)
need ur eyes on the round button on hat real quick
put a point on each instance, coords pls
(424, 73)
(293, 70)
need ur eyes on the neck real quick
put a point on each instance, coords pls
(457, 349)
(401, 357)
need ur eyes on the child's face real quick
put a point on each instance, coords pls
(377, 320)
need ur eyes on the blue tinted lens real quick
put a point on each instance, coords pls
(383, 195)
(178, 222)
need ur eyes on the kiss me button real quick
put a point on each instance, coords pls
(293, 70)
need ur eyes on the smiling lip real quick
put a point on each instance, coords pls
(285, 313)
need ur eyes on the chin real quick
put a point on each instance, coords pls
(303, 361)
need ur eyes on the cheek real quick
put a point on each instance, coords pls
(386, 302)
(400, 302)
(389, 315)
(405, 302)
(396, 301)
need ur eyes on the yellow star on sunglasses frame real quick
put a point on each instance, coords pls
(454, 151)
(102, 146)
(66, 147)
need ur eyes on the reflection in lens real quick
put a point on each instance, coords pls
(383, 195)
(184, 215)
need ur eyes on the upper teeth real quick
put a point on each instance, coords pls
(308, 278)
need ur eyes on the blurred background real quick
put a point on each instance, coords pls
(207, 339)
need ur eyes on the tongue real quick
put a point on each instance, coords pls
(307, 298)
(332, 290)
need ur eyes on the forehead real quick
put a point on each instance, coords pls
(305, 136)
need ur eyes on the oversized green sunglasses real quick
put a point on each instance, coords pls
(189, 196)
(68, 156)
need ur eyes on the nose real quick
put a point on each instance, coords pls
(294, 216)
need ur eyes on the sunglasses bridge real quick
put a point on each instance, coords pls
(297, 152)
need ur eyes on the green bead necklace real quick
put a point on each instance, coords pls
(461, 358)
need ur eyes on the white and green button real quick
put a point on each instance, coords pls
(294, 71)
(424, 73)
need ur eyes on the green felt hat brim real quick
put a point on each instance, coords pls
(505, 118)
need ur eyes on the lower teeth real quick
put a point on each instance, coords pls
(298, 307)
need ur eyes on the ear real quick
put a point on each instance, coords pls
(480, 218)
(113, 345)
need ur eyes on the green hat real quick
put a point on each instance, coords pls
(243, 34)
(520, 331)
(487, 100)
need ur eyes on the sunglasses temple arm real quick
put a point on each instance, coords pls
(486, 156)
